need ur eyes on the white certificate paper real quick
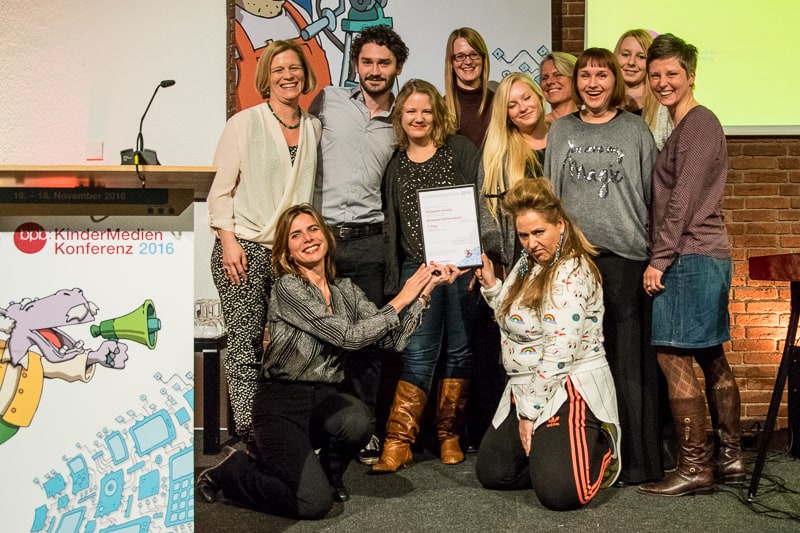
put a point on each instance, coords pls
(450, 230)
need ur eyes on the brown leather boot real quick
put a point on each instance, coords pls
(725, 408)
(401, 429)
(693, 475)
(450, 418)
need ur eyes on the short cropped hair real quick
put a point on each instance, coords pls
(667, 45)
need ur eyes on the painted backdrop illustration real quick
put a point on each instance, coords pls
(325, 30)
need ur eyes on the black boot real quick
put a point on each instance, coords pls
(207, 482)
(338, 489)
(335, 467)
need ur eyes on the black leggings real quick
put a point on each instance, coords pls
(568, 456)
(290, 421)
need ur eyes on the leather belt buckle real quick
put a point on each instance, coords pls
(345, 232)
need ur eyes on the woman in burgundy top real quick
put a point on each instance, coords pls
(689, 277)
(466, 83)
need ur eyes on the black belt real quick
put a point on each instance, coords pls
(348, 232)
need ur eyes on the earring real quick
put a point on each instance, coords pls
(523, 265)
(558, 250)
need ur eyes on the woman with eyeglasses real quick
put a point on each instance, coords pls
(469, 101)
(466, 83)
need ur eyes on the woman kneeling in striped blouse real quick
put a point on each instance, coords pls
(313, 319)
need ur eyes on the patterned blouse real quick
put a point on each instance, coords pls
(541, 350)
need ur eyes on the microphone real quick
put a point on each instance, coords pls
(140, 156)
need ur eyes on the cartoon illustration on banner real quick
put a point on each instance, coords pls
(35, 347)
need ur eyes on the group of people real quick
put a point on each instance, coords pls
(604, 258)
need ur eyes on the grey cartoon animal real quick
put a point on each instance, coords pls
(34, 347)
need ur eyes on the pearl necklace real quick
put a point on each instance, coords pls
(282, 123)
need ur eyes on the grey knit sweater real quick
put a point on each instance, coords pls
(601, 172)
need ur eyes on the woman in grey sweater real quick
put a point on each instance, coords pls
(313, 319)
(600, 159)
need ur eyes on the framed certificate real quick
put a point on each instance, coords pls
(450, 230)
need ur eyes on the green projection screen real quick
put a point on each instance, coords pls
(748, 72)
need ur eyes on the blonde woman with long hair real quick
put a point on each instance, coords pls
(631, 52)
(513, 150)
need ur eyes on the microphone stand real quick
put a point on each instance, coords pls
(139, 156)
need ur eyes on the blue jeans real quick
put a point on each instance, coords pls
(446, 328)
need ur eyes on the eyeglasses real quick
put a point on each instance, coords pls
(460, 58)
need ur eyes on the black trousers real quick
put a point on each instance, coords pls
(626, 326)
(362, 260)
(290, 421)
(568, 456)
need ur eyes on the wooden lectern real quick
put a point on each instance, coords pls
(782, 267)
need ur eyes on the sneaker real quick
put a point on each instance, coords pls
(371, 452)
(611, 472)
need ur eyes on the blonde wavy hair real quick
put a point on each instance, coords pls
(443, 123)
(537, 195)
(505, 152)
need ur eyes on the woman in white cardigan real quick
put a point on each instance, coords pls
(556, 429)
(266, 161)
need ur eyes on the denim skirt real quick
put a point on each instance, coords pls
(692, 310)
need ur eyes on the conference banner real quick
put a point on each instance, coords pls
(96, 384)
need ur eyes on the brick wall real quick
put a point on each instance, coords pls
(762, 210)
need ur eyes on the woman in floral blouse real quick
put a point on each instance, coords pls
(556, 428)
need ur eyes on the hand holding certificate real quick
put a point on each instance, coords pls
(450, 230)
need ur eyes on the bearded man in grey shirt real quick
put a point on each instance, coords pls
(357, 143)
